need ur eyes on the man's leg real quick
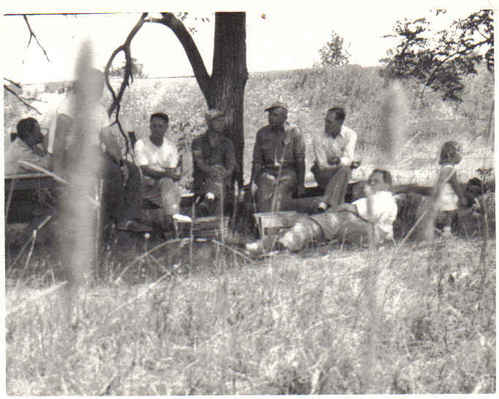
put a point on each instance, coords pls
(304, 232)
(132, 203)
(336, 187)
(265, 192)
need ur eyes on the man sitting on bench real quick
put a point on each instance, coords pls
(334, 151)
(214, 164)
(26, 148)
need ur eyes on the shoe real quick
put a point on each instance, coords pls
(182, 218)
(134, 225)
(322, 207)
(254, 248)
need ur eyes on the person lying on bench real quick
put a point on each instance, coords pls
(214, 165)
(350, 222)
(26, 148)
(334, 151)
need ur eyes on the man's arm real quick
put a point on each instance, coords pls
(299, 153)
(230, 159)
(257, 160)
(172, 173)
(346, 158)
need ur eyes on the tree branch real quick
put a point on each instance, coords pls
(190, 48)
(127, 75)
(20, 98)
(33, 35)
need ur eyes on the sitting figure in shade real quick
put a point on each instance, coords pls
(26, 147)
(161, 166)
(214, 165)
(349, 222)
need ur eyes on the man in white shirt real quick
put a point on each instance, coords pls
(159, 160)
(334, 151)
(350, 222)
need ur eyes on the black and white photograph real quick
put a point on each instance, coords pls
(249, 198)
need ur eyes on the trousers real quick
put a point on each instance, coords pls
(334, 182)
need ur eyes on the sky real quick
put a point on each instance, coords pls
(280, 35)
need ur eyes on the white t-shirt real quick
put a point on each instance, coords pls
(157, 158)
(384, 212)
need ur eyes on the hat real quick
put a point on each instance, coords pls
(213, 114)
(277, 104)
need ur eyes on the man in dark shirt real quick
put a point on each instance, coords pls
(278, 161)
(214, 164)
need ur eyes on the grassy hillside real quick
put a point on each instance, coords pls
(425, 122)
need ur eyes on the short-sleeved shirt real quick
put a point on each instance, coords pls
(17, 151)
(342, 146)
(221, 154)
(384, 212)
(274, 149)
(157, 158)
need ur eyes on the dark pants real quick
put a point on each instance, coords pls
(275, 194)
(121, 202)
(334, 182)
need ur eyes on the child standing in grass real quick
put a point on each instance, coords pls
(447, 193)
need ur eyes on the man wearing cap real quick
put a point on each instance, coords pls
(278, 161)
(214, 164)
(334, 151)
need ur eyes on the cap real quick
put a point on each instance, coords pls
(213, 114)
(277, 104)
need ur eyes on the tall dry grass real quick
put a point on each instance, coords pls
(296, 325)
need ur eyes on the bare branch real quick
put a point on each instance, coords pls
(127, 75)
(20, 98)
(203, 78)
(33, 35)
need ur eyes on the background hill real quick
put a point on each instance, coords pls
(428, 120)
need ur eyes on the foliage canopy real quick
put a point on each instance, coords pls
(440, 60)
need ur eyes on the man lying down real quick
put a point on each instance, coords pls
(349, 222)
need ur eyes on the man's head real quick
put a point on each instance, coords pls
(158, 125)
(450, 153)
(278, 114)
(215, 120)
(380, 180)
(28, 130)
(335, 117)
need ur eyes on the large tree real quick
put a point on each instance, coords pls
(441, 60)
(223, 89)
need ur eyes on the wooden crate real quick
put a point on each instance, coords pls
(270, 223)
(205, 227)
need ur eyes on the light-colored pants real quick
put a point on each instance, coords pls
(164, 193)
(324, 227)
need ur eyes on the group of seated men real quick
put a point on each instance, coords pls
(277, 176)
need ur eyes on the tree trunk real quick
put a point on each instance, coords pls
(229, 78)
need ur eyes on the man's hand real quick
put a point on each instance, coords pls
(125, 173)
(217, 172)
(334, 161)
